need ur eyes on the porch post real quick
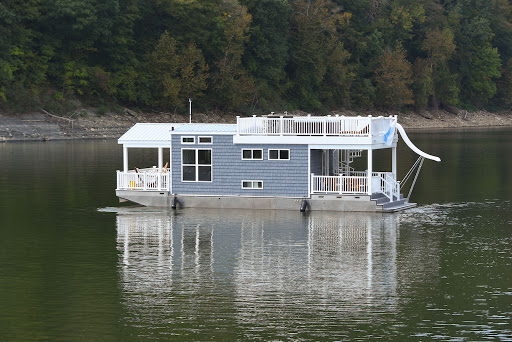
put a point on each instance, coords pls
(125, 159)
(160, 158)
(393, 162)
(370, 166)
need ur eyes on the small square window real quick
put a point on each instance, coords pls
(252, 154)
(257, 154)
(279, 154)
(205, 140)
(252, 184)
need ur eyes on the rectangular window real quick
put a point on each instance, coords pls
(188, 140)
(279, 154)
(205, 140)
(196, 165)
(252, 154)
(252, 184)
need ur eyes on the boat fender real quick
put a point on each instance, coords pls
(174, 202)
(303, 206)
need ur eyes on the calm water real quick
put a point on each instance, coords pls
(74, 265)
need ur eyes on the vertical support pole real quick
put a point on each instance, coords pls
(281, 123)
(169, 182)
(393, 163)
(160, 159)
(160, 166)
(237, 125)
(370, 166)
(125, 159)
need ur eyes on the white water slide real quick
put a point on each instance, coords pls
(413, 147)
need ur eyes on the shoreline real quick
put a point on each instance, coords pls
(88, 125)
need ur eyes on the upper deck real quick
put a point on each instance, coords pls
(314, 130)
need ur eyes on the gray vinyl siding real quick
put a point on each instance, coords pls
(283, 178)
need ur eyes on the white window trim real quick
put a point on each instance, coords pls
(205, 143)
(188, 143)
(278, 153)
(196, 165)
(252, 181)
(252, 149)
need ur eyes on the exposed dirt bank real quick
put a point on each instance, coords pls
(85, 124)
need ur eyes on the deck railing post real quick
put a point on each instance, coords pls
(281, 123)
(145, 181)
(238, 125)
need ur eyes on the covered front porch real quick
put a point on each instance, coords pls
(333, 173)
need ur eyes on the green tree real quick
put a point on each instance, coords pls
(316, 49)
(394, 78)
(266, 52)
(179, 74)
(439, 47)
(232, 87)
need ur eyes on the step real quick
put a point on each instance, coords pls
(394, 204)
(404, 206)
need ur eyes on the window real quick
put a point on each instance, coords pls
(205, 140)
(188, 140)
(252, 154)
(279, 154)
(196, 165)
(252, 184)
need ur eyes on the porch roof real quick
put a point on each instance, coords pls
(148, 133)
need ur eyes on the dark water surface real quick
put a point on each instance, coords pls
(74, 265)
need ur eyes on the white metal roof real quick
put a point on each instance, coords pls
(159, 134)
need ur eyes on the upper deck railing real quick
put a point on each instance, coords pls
(314, 126)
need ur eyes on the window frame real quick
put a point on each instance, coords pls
(278, 153)
(205, 143)
(252, 153)
(196, 165)
(187, 142)
(252, 183)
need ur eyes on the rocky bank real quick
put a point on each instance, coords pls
(86, 124)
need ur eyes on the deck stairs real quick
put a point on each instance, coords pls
(384, 204)
(344, 158)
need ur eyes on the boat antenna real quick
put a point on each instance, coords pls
(190, 109)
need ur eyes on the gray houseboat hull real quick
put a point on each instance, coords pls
(353, 203)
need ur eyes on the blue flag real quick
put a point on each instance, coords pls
(390, 134)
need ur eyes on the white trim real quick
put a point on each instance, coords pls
(252, 153)
(252, 188)
(279, 153)
(305, 140)
(187, 137)
(205, 143)
(196, 165)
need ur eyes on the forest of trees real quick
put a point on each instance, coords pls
(249, 56)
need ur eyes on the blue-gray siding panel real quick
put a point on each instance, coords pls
(287, 178)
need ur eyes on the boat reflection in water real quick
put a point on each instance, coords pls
(256, 270)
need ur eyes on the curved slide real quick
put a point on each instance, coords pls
(413, 147)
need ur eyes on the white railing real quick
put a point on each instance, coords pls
(339, 184)
(146, 179)
(388, 185)
(305, 126)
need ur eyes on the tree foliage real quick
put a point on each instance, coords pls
(255, 55)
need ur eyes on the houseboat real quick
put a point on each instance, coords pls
(269, 162)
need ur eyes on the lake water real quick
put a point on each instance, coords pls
(76, 265)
